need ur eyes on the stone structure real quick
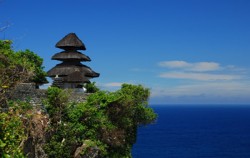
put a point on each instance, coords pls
(28, 92)
(71, 73)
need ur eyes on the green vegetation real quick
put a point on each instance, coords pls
(13, 129)
(15, 67)
(33, 63)
(20, 66)
(103, 126)
(106, 124)
(91, 87)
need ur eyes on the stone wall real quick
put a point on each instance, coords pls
(28, 92)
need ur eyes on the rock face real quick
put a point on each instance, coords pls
(37, 124)
(92, 152)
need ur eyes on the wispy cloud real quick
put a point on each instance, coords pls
(203, 93)
(199, 76)
(198, 66)
(228, 88)
(113, 84)
(203, 71)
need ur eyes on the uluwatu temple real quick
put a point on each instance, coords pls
(71, 73)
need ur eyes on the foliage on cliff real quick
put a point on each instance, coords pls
(12, 133)
(103, 126)
(22, 131)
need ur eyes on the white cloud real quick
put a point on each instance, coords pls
(202, 82)
(205, 66)
(203, 71)
(198, 66)
(113, 84)
(222, 89)
(174, 64)
(199, 76)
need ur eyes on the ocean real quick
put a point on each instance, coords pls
(196, 132)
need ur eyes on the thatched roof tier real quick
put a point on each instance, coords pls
(76, 77)
(65, 69)
(71, 42)
(70, 55)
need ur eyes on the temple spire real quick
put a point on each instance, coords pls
(71, 73)
(71, 41)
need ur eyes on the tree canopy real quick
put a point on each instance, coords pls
(26, 66)
(18, 66)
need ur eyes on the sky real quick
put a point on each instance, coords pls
(184, 51)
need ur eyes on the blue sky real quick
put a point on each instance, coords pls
(185, 51)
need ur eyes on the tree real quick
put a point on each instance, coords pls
(11, 73)
(33, 63)
(18, 67)
(91, 87)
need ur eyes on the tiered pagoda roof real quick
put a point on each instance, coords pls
(71, 41)
(66, 55)
(71, 70)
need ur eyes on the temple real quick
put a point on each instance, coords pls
(71, 73)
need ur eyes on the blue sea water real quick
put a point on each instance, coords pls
(196, 132)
